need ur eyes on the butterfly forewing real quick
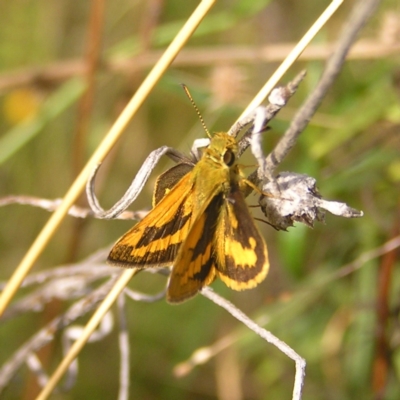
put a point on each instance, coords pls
(168, 179)
(156, 239)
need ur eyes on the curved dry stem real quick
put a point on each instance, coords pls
(266, 335)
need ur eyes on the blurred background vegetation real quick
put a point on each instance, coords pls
(346, 327)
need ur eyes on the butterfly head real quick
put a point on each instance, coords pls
(222, 149)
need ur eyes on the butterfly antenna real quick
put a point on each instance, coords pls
(185, 88)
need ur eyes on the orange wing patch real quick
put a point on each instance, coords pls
(156, 239)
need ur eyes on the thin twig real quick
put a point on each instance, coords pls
(270, 111)
(84, 267)
(266, 335)
(292, 57)
(124, 350)
(90, 327)
(204, 354)
(74, 211)
(92, 61)
(58, 72)
(84, 112)
(360, 14)
(46, 334)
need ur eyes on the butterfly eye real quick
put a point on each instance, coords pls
(229, 158)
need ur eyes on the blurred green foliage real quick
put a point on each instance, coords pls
(351, 147)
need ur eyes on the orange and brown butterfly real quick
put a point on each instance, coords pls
(200, 225)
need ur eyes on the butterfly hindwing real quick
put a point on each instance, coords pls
(194, 267)
(240, 251)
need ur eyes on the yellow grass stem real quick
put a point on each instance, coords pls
(116, 130)
(291, 58)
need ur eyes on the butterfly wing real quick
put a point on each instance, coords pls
(156, 239)
(194, 267)
(241, 256)
(168, 179)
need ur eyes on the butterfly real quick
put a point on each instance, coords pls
(200, 224)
